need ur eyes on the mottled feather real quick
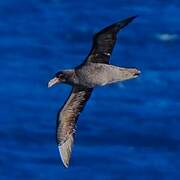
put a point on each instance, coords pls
(67, 120)
(95, 70)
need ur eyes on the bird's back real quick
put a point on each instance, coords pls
(94, 74)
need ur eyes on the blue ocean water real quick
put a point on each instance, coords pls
(128, 130)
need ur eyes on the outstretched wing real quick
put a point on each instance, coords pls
(67, 118)
(104, 41)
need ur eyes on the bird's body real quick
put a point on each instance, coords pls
(97, 74)
(95, 71)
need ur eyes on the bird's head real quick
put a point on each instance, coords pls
(59, 77)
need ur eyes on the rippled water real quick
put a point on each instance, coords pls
(127, 131)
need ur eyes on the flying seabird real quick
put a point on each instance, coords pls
(94, 71)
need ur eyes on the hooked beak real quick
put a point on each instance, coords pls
(53, 81)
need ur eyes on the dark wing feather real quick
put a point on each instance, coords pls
(67, 118)
(104, 41)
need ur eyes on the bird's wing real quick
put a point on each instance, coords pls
(104, 41)
(67, 118)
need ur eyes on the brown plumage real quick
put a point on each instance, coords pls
(94, 71)
(104, 41)
(67, 120)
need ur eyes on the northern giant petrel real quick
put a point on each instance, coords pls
(94, 71)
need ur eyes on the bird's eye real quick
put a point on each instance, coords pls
(58, 74)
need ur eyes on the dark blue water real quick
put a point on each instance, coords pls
(127, 131)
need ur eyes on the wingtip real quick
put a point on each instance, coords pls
(131, 18)
(65, 150)
(65, 163)
(121, 24)
(135, 16)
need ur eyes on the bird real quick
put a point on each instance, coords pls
(94, 71)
